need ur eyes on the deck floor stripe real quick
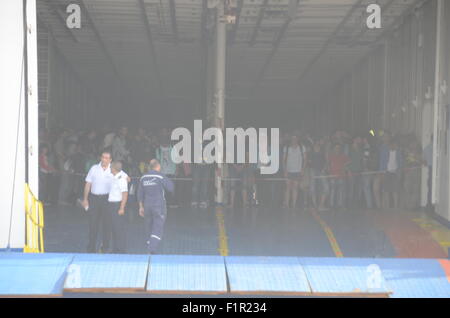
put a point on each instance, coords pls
(438, 232)
(329, 233)
(445, 263)
(223, 239)
(408, 238)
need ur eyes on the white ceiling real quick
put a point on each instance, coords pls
(269, 56)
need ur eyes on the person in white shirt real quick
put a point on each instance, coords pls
(294, 162)
(117, 200)
(95, 201)
(392, 180)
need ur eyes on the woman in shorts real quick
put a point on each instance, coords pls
(293, 159)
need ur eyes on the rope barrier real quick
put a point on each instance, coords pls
(267, 179)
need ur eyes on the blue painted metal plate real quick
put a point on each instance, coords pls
(33, 274)
(187, 273)
(266, 274)
(349, 276)
(415, 278)
(107, 271)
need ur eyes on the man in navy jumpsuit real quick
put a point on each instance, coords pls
(152, 203)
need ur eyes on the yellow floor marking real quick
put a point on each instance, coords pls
(223, 240)
(440, 233)
(329, 233)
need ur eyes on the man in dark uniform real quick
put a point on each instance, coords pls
(152, 203)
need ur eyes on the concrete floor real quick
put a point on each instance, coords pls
(267, 231)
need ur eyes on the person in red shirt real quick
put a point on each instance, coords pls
(338, 162)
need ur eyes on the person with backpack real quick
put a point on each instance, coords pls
(294, 164)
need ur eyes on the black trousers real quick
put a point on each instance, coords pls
(118, 228)
(99, 220)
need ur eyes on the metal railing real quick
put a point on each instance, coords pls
(34, 223)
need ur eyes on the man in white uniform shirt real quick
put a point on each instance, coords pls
(95, 202)
(117, 201)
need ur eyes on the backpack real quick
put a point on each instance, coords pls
(287, 154)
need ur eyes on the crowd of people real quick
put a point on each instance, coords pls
(66, 157)
(343, 171)
(335, 171)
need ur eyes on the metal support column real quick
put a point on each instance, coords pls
(221, 42)
(32, 113)
(437, 100)
(386, 76)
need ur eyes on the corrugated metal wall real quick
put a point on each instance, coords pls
(393, 88)
(386, 90)
(64, 101)
(443, 172)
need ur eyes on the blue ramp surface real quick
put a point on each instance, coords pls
(107, 272)
(415, 278)
(33, 274)
(345, 276)
(186, 274)
(254, 275)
